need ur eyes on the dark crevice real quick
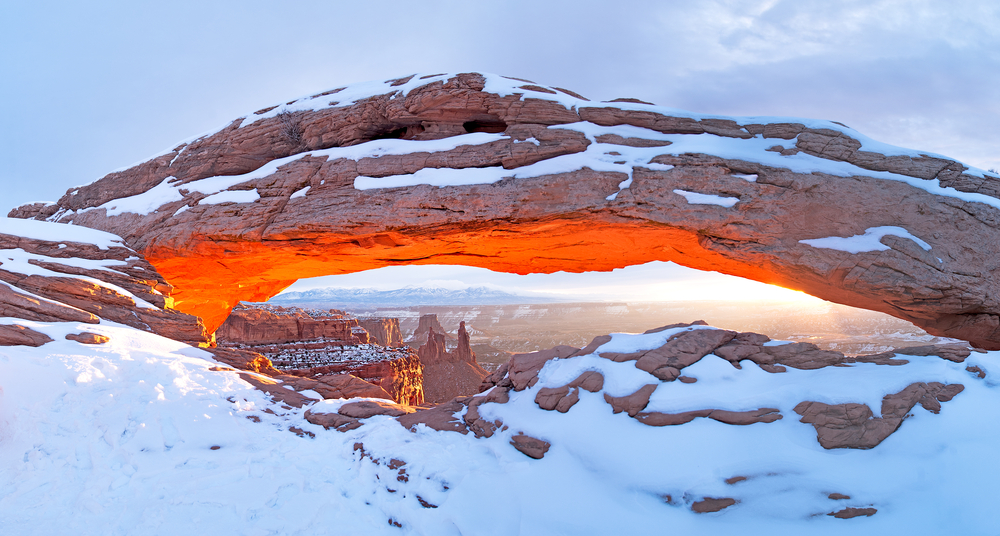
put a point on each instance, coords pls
(490, 126)
(390, 135)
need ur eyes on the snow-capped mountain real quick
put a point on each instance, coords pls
(408, 296)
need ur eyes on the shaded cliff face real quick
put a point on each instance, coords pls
(448, 374)
(383, 331)
(493, 172)
(57, 273)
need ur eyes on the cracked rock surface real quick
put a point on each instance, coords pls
(486, 171)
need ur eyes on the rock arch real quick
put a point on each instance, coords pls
(504, 174)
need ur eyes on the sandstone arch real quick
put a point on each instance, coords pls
(504, 174)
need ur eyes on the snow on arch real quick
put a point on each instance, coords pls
(870, 240)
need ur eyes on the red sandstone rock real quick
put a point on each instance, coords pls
(66, 292)
(562, 221)
(633, 403)
(363, 409)
(522, 369)
(807, 356)
(277, 392)
(384, 331)
(530, 446)
(563, 398)
(447, 374)
(440, 417)
(425, 325)
(742, 418)
(244, 360)
(15, 335)
(681, 350)
(335, 386)
(479, 426)
(327, 346)
(853, 425)
(88, 338)
(332, 420)
(272, 324)
(980, 373)
(711, 504)
(848, 513)
(844, 425)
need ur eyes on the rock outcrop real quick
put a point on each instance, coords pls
(426, 324)
(854, 426)
(56, 273)
(850, 425)
(448, 374)
(269, 324)
(285, 386)
(319, 345)
(488, 171)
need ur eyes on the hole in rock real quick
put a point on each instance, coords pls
(391, 135)
(492, 127)
(506, 313)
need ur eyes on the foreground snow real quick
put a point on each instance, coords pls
(120, 439)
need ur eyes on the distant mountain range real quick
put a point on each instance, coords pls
(405, 297)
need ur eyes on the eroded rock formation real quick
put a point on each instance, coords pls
(494, 172)
(448, 374)
(849, 425)
(319, 345)
(426, 324)
(269, 324)
(55, 273)
(384, 331)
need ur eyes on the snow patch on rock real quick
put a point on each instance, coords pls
(870, 240)
(694, 198)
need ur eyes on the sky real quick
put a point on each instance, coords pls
(90, 87)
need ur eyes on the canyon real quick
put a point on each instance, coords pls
(320, 344)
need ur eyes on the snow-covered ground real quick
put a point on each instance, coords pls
(121, 438)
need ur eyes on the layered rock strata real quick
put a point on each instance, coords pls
(286, 388)
(383, 331)
(512, 176)
(426, 324)
(58, 273)
(270, 324)
(310, 343)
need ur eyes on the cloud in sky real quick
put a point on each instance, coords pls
(91, 87)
